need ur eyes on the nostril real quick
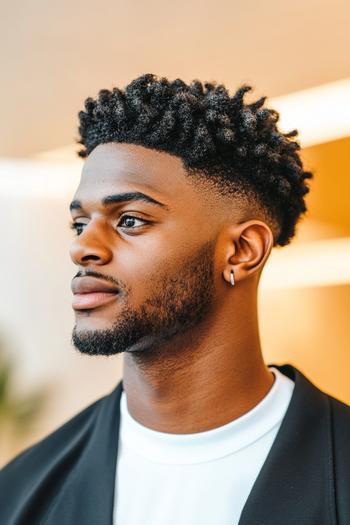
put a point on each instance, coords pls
(93, 257)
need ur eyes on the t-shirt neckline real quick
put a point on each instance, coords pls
(212, 444)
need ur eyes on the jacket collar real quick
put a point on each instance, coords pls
(294, 486)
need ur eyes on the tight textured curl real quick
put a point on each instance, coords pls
(222, 138)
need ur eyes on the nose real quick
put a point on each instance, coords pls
(91, 245)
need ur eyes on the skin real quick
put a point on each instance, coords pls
(178, 379)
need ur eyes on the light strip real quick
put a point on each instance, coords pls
(317, 263)
(34, 179)
(320, 114)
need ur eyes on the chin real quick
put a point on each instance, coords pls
(89, 321)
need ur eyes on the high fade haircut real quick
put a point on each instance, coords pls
(233, 144)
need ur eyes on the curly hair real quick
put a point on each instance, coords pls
(220, 137)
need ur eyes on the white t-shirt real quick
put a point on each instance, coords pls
(195, 479)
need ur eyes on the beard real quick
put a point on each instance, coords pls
(178, 302)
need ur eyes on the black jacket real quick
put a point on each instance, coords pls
(68, 478)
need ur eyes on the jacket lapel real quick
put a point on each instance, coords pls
(295, 485)
(88, 494)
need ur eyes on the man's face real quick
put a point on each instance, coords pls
(159, 256)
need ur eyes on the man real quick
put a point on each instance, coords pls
(184, 192)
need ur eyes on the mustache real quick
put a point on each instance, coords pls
(98, 275)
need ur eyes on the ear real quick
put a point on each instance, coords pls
(250, 244)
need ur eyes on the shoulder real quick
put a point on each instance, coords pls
(340, 409)
(340, 437)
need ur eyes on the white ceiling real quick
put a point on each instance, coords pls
(55, 54)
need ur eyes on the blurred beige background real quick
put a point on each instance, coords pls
(54, 55)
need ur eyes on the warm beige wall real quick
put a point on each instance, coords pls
(329, 199)
(310, 329)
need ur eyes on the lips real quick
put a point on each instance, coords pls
(90, 292)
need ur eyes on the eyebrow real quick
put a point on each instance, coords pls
(121, 197)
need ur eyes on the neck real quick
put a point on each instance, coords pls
(199, 381)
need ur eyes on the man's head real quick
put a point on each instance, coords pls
(222, 186)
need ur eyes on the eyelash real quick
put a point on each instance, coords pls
(75, 225)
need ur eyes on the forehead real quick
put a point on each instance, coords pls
(114, 168)
(120, 166)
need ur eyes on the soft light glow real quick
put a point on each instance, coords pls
(317, 263)
(320, 114)
(38, 179)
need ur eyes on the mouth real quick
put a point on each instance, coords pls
(84, 301)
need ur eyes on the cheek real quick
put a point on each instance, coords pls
(149, 259)
(153, 250)
(136, 269)
(144, 275)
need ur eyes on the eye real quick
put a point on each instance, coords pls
(132, 218)
(76, 226)
(128, 220)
